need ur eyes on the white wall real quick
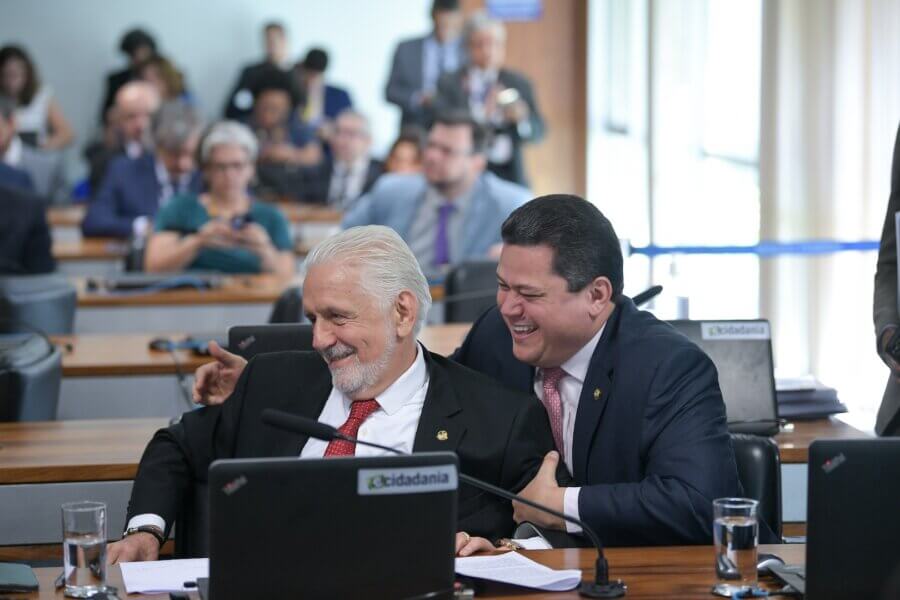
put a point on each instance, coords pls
(74, 43)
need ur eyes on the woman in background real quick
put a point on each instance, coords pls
(165, 77)
(40, 121)
(405, 155)
(223, 229)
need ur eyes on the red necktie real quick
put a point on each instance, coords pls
(359, 412)
(553, 404)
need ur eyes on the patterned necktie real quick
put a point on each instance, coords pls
(441, 238)
(359, 412)
(553, 403)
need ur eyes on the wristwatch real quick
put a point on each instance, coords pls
(151, 529)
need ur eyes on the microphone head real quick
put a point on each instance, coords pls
(297, 424)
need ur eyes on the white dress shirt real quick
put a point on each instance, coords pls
(570, 385)
(393, 424)
(347, 182)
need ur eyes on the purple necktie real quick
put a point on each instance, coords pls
(441, 241)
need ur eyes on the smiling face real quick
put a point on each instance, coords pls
(548, 323)
(366, 345)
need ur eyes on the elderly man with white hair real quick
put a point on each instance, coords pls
(367, 299)
(223, 228)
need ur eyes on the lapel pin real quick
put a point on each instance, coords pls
(597, 393)
(442, 435)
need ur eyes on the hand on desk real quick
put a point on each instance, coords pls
(214, 382)
(135, 547)
(467, 545)
(543, 489)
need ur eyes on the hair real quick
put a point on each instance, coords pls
(584, 243)
(229, 132)
(410, 134)
(32, 81)
(352, 112)
(316, 60)
(480, 21)
(135, 39)
(272, 78)
(170, 74)
(386, 263)
(457, 117)
(7, 108)
(444, 6)
(174, 124)
(274, 26)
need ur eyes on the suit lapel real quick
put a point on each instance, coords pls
(475, 219)
(594, 396)
(306, 401)
(440, 428)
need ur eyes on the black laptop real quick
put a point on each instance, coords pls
(853, 522)
(376, 527)
(742, 354)
(250, 340)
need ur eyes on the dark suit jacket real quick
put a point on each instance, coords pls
(453, 93)
(316, 181)
(337, 100)
(885, 303)
(24, 235)
(114, 81)
(651, 448)
(129, 190)
(500, 436)
(11, 177)
(247, 80)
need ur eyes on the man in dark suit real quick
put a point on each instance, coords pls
(135, 188)
(138, 46)
(376, 382)
(887, 320)
(419, 63)
(240, 100)
(635, 407)
(500, 99)
(340, 179)
(24, 236)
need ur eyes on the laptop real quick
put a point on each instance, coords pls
(250, 340)
(853, 522)
(742, 353)
(373, 527)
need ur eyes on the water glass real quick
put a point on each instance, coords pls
(736, 537)
(84, 548)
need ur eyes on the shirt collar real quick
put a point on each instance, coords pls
(164, 178)
(13, 156)
(577, 366)
(357, 166)
(403, 390)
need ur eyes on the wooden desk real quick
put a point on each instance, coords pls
(66, 216)
(43, 465)
(245, 299)
(89, 256)
(683, 572)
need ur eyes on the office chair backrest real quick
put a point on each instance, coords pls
(42, 302)
(250, 340)
(470, 289)
(30, 377)
(759, 469)
(289, 307)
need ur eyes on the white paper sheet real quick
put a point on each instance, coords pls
(514, 568)
(162, 575)
(534, 543)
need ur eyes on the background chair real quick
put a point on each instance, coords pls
(470, 289)
(30, 377)
(759, 469)
(42, 302)
(289, 307)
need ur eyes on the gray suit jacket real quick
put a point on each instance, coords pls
(407, 78)
(885, 303)
(394, 200)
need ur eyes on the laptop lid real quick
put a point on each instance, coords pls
(853, 518)
(374, 527)
(742, 353)
(250, 340)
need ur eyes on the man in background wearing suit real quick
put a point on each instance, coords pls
(322, 103)
(350, 171)
(419, 63)
(138, 46)
(451, 212)
(135, 188)
(887, 320)
(24, 236)
(367, 300)
(240, 100)
(636, 411)
(500, 99)
(25, 167)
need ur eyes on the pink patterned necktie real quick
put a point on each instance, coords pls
(359, 412)
(553, 403)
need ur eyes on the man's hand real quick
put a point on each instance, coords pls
(135, 547)
(214, 382)
(467, 545)
(544, 490)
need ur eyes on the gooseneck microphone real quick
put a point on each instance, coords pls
(601, 587)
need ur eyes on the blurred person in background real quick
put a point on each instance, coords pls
(44, 170)
(223, 229)
(240, 101)
(165, 77)
(137, 45)
(405, 155)
(322, 103)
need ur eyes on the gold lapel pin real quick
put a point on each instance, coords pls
(597, 393)
(442, 435)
